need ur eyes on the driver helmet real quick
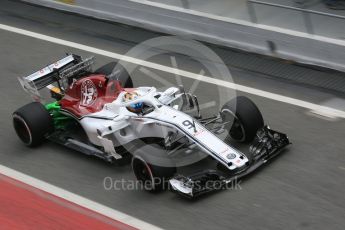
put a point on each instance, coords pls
(135, 107)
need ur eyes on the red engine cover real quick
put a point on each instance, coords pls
(89, 94)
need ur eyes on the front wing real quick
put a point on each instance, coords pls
(267, 144)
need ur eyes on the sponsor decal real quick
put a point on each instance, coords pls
(224, 151)
(199, 132)
(88, 93)
(231, 156)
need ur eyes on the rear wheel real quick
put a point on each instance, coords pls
(32, 123)
(244, 118)
(121, 73)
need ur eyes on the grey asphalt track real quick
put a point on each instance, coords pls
(302, 189)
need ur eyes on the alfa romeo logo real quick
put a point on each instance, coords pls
(88, 93)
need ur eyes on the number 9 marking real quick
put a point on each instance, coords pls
(188, 123)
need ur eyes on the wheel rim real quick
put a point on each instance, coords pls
(143, 173)
(236, 129)
(22, 129)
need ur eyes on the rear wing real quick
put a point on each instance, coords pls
(59, 72)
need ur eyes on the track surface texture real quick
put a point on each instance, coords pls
(302, 189)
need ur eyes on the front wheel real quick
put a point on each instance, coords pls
(32, 123)
(243, 119)
(153, 174)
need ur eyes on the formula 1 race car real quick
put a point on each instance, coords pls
(100, 113)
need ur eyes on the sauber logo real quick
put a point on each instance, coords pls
(88, 93)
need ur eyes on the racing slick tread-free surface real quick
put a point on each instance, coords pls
(32, 122)
(248, 114)
(160, 166)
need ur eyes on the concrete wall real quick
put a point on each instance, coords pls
(268, 40)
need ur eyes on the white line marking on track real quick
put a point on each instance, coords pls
(81, 201)
(289, 100)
